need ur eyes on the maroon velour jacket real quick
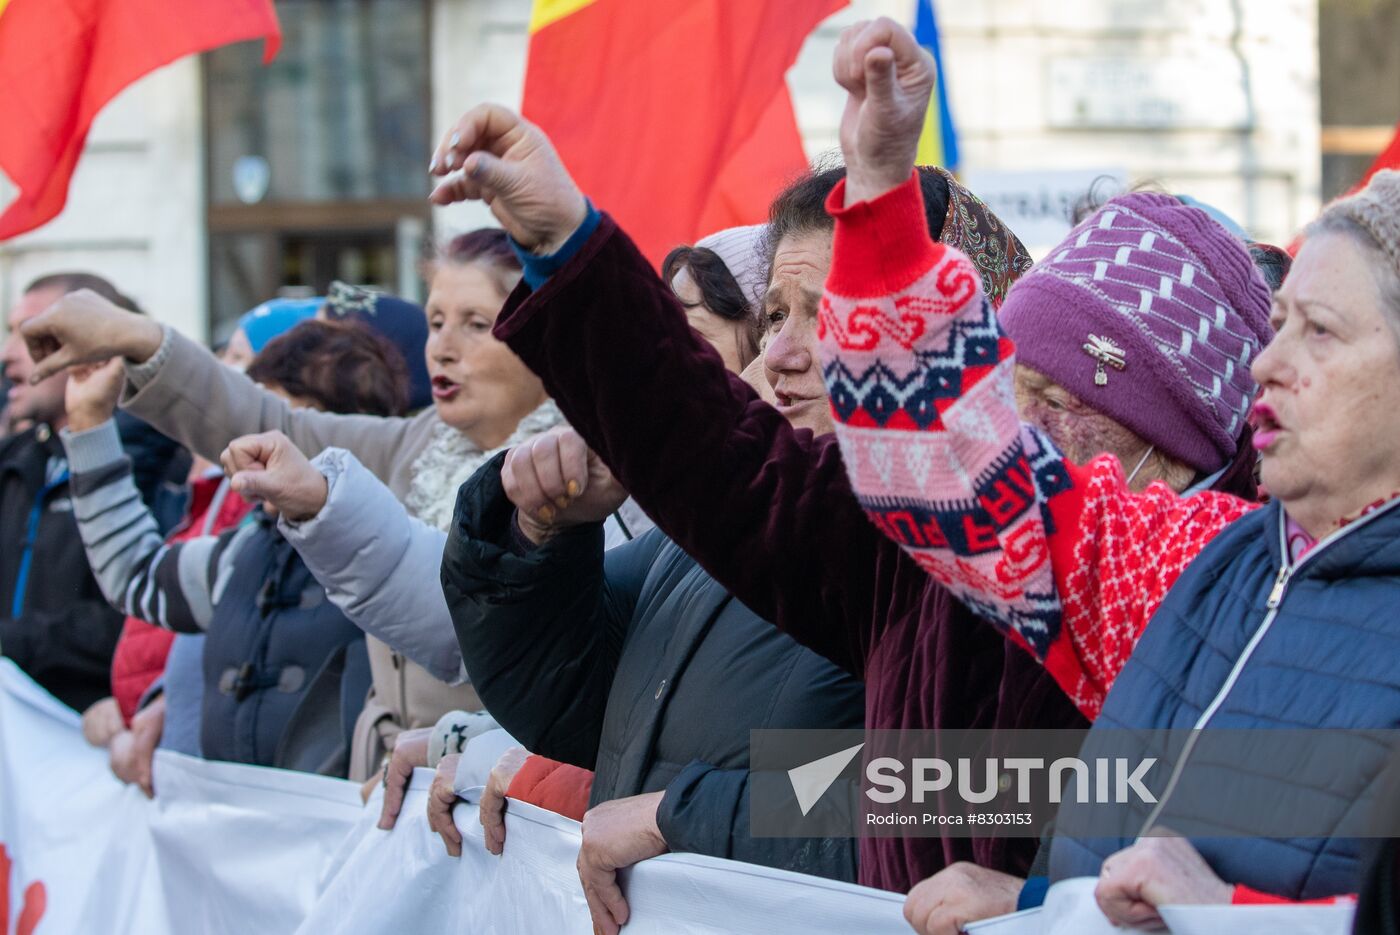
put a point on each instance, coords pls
(767, 510)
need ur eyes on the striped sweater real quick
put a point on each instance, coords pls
(173, 586)
(1065, 558)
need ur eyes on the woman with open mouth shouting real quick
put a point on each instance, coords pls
(483, 400)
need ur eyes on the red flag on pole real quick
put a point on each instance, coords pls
(61, 61)
(1388, 159)
(673, 115)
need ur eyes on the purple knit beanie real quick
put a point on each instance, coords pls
(1151, 313)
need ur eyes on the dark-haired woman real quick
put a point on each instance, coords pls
(484, 399)
(719, 282)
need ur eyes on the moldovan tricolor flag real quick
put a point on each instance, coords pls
(672, 115)
(61, 61)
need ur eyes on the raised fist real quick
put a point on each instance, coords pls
(91, 394)
(509, 163)
(270, 468)
(888, 79)
(555, 481)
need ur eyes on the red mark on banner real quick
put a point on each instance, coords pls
(31, 909)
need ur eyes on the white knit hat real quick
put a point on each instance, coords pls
(741, 249)
(1377, 209)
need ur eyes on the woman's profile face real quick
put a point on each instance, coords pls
(479, 386)
(791, 354)
(729, 338)
(1327, 420)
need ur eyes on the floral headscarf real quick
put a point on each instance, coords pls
(972, 228)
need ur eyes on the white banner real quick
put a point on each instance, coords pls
(236, 849)
(231, 848)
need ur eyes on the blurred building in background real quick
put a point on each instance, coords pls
(214, 183)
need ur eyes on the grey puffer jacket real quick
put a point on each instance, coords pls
(637, 664)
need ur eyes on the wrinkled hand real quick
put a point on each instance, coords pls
(616, 835)
(132, 752)
(102, 721)
(91, 394)
(410, 751)
(959, 894)
(84, 328)
(442, 798)
(510, 164)
(270, 468)
(888, 79)
(1154, 872)
(555, 481)
(492, 808)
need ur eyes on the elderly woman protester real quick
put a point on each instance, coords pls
(484, 400)
(1285, 620)
(764, 507)
(873, 610)
(374, 570)
(636, 664)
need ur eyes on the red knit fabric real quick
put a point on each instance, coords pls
(1115, 557)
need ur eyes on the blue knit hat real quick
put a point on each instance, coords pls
(276, 317)
(402, 322)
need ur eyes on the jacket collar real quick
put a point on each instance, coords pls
(1366, 547)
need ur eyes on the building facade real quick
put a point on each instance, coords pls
(213, 183)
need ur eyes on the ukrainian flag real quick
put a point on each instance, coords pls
(938, 146)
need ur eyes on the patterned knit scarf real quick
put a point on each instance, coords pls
(450, 458)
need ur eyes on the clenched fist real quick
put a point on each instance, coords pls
(888, 79)
(270, 468)
(555, 481)
(509, 163)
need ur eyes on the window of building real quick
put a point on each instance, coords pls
(317, 164)
(1359, 61)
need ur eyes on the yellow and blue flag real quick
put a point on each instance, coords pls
(938, 146)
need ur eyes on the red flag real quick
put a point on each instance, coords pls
(1388, 159)
(673, 115)
(61, 61)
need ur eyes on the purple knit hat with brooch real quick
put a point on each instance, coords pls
(1151, 313)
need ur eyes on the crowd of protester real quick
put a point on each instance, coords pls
(865, 465)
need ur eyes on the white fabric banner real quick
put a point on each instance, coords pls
(231, 848)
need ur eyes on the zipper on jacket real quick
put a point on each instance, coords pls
(1286, 574)
(31, 539)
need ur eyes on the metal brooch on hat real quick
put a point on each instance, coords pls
(1107, 354)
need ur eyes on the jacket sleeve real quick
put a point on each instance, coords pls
(184, 392)
(1067, 560)
(74, 645)
(167, 585)
(540, 628)
(371, 557)
(766, 509)
(706, 810)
